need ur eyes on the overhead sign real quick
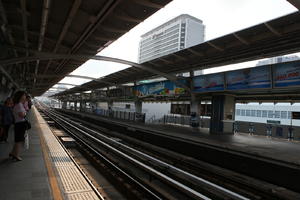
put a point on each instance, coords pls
(159, 88)
(287, 74)
(210, 82)
(258, 77)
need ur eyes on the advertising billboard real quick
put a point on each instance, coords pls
(210, 82)
(159, 88)
(287, 74)
(258, 77)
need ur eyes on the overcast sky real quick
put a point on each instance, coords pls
(220, 17)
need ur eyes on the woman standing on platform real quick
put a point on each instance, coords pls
(20, 123)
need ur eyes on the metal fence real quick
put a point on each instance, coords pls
(124, 115)
(177, 119)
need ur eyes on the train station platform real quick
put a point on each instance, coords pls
(46, 171)
(258, 146)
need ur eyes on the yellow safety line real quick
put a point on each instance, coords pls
(51, 174)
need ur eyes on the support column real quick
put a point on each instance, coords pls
(139, 117)
(222, 114)
(110, 104)
(93, 106)
(138, 106)
(195, 111)
(194, 105)
(82, 106)
(64, 105)
(75, 105)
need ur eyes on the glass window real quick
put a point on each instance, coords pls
(253, 113)
(283, 114)
(277, 114)
(238, 112)
(264, 113)
(289, 114)
(243, 112)
(248, 113)
(270, 114)
(258, 113)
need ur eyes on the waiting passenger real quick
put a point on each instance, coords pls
(7, 118)
(20, 123)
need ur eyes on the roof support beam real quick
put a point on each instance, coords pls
(273, 30)
(65, 28)
(295, 3)
(44, 22)
(164, 60)
(24, 22)
(5, 28)
(79, 76)
(36, 34)
(125, 17)
(25, 25)
(195, 52)
(48, 56)
(178, 56)
(69, 84)
(2, 70)
(215, 46)
(102, 14)
(113, 30)
(148, 4)
(242, 40)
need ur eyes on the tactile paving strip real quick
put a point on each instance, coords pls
(74, 186)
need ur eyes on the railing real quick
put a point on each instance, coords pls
(177, 119)
(269, 130)
(124, 115)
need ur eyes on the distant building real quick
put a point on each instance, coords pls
(267, 113)
(278, 59)
(179, 33)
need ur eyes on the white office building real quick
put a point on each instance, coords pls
(179, 33)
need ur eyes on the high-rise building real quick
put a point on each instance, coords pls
(179, 33)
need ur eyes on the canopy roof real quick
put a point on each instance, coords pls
(64, 27)
(273, 38)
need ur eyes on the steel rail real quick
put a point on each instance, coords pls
(194, 194)
(166, 165)
(107, 160)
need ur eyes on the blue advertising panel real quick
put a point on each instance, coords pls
(287, 74)
(159, 88)
(258, 77)
(210, 82)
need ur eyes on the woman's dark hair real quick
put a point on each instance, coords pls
(17, 96)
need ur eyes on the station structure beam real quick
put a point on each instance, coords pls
(51, 56)
(295, 3)
(44, 22)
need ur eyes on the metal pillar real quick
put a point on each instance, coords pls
(138, 106)
(222, 115)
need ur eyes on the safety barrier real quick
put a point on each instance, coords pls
(124, 115)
